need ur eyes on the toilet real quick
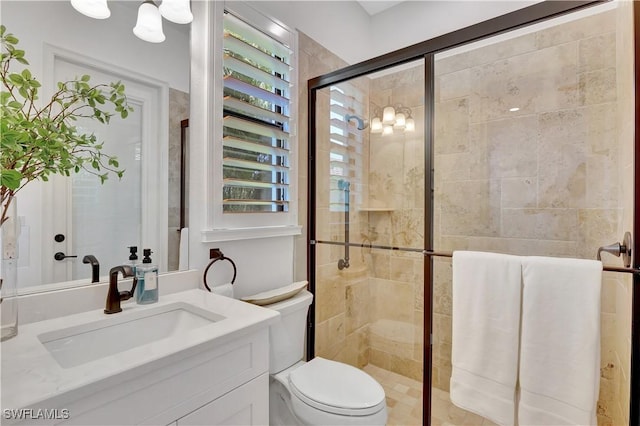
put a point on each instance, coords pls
(320, 391)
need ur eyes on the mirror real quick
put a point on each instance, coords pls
(77, 216)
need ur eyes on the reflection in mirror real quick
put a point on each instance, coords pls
(77, 216)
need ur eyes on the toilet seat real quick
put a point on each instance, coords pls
(337, 388)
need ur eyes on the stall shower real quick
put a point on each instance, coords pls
(519, 143)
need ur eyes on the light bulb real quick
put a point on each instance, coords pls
(96, 9)
(149, 24)
(376, 125)
(387, 130)
(177, 11)
(388, 115)
(400, 121)
(410, 125)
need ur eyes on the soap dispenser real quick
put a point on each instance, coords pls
(133, 258)
(147, 274)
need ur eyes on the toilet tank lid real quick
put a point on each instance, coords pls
(276, 295)
(302, 300)
(337, 387)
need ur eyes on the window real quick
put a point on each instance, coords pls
(257, 137)
(345, 157)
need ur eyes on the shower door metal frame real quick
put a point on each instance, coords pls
(426, 50)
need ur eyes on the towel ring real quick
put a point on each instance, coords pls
(219, 256)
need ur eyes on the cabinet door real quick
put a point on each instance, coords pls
(245, 405)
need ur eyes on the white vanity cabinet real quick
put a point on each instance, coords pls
(228, 385)
(213, 370)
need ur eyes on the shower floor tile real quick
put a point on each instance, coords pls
(404, 402)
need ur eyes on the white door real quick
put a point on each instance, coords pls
(104, 219)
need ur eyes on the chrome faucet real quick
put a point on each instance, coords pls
(114, 296)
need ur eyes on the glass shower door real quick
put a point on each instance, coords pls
(370, 231)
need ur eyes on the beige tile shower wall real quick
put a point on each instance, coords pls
(541, 180)
(396, 183)
(343, 298)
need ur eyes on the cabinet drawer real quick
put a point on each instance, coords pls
(246, 405)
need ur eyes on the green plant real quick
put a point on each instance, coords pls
(39, 137)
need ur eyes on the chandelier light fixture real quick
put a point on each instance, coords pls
(149, 23)
(392, 117)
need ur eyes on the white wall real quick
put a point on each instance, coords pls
(347, 30)
(343, 27)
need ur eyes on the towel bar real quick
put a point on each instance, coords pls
(432, 253)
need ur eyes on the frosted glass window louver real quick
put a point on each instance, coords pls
(390, 118)
(256, 138)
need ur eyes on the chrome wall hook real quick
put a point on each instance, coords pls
(617, 249)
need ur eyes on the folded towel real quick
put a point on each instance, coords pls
(183, 252)
(223, 290)
(486, 326)
(560, 344)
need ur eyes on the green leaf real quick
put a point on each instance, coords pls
(16, 79)
(10, 178)
(39, 139)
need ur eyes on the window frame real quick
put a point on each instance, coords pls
(221, 226)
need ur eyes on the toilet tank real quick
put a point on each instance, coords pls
(287, 336)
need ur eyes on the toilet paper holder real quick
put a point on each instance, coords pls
(623, 249)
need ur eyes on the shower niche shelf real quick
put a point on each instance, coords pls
(376, 209)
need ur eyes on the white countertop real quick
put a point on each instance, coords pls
(30, 375)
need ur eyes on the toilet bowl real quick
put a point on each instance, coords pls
(320, 391)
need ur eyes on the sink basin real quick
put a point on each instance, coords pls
(84, 343)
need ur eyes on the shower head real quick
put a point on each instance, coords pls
(361, 124)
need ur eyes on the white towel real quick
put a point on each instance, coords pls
(183, 253)
(486, 322)
(223, 290)
(560, 345)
